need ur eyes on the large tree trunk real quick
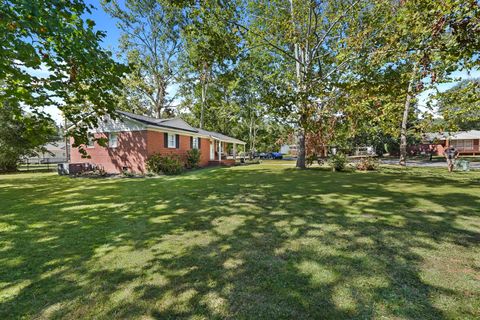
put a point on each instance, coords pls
(300, 91)
(301, 149)
(406, 111)
(250, 137)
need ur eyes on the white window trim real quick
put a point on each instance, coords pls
(195, 143)
(110, 144)
(174, 141)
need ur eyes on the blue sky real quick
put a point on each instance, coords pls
(105, 23)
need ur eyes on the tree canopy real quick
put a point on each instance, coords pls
(22, 134)
(460, 106)
(336, 72)
(50, 55)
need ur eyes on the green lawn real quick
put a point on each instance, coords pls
(259, 242)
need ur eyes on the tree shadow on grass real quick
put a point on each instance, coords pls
(233, 243)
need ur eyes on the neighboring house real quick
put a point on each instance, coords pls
(54, 153)
(133, 138)
(288, 149)
(466, 142)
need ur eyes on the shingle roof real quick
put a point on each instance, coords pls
(220, 136)
(178, 124)
(460, 135)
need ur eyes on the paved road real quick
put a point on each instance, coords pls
(419, 163)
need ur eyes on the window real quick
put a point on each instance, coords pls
(195, 143)
(112, 139)
(462, 144)
(90, 143)
(171, 140)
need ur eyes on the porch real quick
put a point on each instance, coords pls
(224, 150)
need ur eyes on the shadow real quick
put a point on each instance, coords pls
(257, 242)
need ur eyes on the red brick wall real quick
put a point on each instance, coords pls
(156, 144)
(131, 152)
(133, 149)
(204, 152)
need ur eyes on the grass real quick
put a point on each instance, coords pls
(259, 242)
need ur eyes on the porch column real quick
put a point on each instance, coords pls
(234, 151)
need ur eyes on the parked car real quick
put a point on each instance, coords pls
(276, 155)
(264, 155)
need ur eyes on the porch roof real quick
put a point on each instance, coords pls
(221, 137)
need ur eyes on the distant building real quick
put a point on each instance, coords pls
(466, 142)
(55, 152)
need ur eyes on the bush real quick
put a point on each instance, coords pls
(367, 164)
(311, 159)
(337, 162)
(193, 158)
(168, 164)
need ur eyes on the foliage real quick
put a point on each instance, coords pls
(430, 39)
(165, 164)
(21, 135)
(93, 173)
(151, 43)
(460, 106)
(367, 164)
(337, 161)
(192, 158)
(211, 43)
(315, 45)
(128, 174)
(311, 159)
(51, 56)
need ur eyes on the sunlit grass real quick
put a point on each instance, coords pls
(262, 241)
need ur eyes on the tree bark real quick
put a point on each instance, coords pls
(406, 111)
(204, 93)
(301, 149)
(300, 95)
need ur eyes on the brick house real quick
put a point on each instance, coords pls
(133, 138)
(466, 142)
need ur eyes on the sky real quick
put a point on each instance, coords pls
(105, 23)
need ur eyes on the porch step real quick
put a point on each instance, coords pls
(225, 162)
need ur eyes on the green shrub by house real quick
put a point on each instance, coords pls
(168, 164)
(193, 158)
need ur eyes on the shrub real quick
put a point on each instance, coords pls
(367, 164)
(311, 159)
(193, 158)
(128, 174)
(168, 164)
(337, 162)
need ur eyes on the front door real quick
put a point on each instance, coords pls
(212, 150)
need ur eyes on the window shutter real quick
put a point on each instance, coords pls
(199, 143)
(165, 139)
(177, 141)
(191, 142)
